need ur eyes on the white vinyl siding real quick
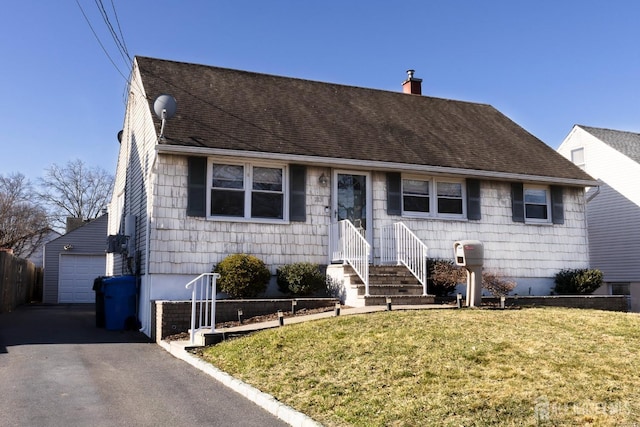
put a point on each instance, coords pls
(613, 215)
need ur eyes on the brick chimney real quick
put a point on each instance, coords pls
(412, 85)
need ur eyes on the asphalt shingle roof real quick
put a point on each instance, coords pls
(239, 110)
(628, 143)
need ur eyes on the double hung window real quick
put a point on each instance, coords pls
(419, 199)
(537, 206)
(247, 191)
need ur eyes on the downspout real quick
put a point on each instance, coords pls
(595, 193)
(147, 249)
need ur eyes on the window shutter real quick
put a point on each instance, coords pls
(557, 206)
(394, 193)
(197, 186)
(473, 199)
(517, 202)
(297, 193)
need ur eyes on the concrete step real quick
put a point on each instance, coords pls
(373, 300)
(391, 289)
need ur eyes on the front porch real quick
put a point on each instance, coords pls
(401, 278)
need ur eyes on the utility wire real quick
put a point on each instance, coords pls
(114, 36)
(126, 50)
(100, 43)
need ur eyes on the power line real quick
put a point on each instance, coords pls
(119, 43)
(100, 42)
(113, 6)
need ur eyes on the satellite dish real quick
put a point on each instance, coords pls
(165, 107)
(120, 136)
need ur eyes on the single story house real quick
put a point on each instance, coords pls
(72, 262)
(281, 168)
(613, 208)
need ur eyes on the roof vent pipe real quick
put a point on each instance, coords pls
(412, 85)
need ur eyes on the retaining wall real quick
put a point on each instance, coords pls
(173, 317)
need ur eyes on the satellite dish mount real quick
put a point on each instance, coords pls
(165, 108)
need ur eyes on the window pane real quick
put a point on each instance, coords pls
(269, 179)
(449, 206)
(412, 186)
(620, 289)
(577, 156)
(266, 205)
(450, 189)
(415, 204)
(228, 176)
(535, 196)
(536, 211)
(227, 203)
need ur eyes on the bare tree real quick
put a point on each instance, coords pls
(75, 191)
(23, 224)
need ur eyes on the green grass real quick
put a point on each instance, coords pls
(543, 366)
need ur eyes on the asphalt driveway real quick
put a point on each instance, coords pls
(58, 369)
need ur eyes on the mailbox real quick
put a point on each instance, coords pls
(469, 253)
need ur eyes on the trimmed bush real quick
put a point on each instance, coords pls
(579, 281)
(301, 278)
(242, 276)
(444, 276)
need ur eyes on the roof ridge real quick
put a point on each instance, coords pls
(278, 76)
(585, 127)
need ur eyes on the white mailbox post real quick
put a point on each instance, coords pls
(470, 255)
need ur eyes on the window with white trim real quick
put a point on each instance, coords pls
(537, 205)
(450, 198)
(577, 157)
(247, 191)
(418, 198)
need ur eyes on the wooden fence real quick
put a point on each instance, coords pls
(20, 282)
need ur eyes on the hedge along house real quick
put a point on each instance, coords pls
(291, 170)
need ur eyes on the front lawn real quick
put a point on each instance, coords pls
(542, 366)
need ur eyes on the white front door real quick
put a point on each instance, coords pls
(352, 200)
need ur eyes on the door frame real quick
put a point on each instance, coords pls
(368, 201)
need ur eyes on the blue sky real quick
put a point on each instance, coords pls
(547, 64)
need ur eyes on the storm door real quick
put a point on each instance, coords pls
(352, 201)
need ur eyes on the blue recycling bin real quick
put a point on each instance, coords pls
(120, 295)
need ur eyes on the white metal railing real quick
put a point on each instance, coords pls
(388, 253)
(203, 303)
(411, 252)
(399, 245)
(355, 251)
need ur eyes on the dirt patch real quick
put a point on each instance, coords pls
(256, 319)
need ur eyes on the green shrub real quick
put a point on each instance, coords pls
(577, 281)
(496, 284)
(242, 276)
(444, 276)
(301, 278)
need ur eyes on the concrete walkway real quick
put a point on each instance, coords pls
(180, 349)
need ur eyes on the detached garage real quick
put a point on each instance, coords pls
(73, 261)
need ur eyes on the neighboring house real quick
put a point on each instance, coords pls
(268, 165)
(36, 247)
(613, 208)
(73, 261)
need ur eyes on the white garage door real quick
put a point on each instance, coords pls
(76, 275)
